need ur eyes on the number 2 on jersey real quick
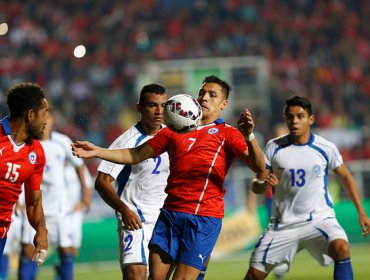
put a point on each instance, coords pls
(155, 170)
(128, 241)
(297, 177)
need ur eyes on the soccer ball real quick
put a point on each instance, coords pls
(182, 113)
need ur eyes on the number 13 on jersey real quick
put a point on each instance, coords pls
(297, 177)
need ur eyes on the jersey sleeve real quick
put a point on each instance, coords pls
(122, 142)
(236, 142)
(35, 180)
(335, 158)
(159, 142)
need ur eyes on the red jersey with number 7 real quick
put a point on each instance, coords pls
(199, 162)
(19, 164)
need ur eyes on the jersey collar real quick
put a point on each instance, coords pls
(139, 127)
(219, 121)
(5, 125)
(309, 142)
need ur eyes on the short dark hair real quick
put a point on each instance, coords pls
(214, 79)
(151, 88)
(23, 97)
(301, 101)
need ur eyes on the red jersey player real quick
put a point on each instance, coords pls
(22, 161)
(190, 220)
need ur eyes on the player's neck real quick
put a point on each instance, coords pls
(18, 131)
(148, 130)
(209, 119)
(300, 139)
(46, 135)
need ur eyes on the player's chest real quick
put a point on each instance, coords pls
(299, 165)
(152, 166)
(199, 141)
(16, 163)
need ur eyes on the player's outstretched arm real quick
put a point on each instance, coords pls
(36, 218)
(85, 149)
(350, 186)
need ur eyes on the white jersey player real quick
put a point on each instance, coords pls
(139, 189)
(302, 212)
(57, 152)
(73, 204)
(303, 174)
(54, 189)
(141, 186)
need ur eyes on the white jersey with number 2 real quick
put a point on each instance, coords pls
(140, 186)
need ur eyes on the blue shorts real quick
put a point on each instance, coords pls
(2, 245)
(186, 238)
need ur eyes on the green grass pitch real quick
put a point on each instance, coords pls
(233, 267)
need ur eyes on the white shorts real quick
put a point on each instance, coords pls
(134, 244)
(276, 249)
(76, 219)
(59, 231)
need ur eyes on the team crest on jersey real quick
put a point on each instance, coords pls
(212, 130)
(316, 170)
(32, 157)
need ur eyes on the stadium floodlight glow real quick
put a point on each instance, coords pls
(3, 28)
(79, 51)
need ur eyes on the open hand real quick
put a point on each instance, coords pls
(84, 149)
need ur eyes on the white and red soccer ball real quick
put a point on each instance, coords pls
(182, 113)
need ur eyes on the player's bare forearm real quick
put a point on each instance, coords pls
(350, 186)
(85, 149)
(351, 189)
(36, 218)
(103, 186)
(256, 160)
(35, 212)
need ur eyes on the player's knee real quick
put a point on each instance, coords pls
(254, 274)
(135, 272)
(339, 249)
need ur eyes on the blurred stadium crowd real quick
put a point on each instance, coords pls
(320, 49)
